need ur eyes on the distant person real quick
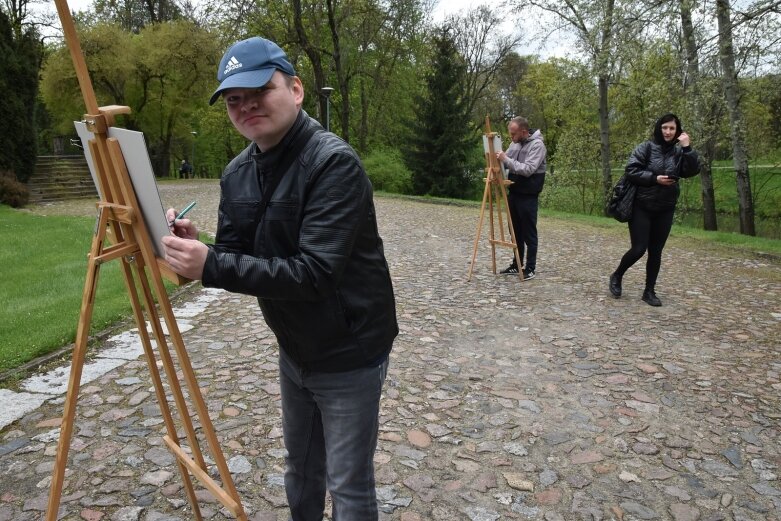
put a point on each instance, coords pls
(185, 170)
(297, 229)
(525, 162)
(655, 166)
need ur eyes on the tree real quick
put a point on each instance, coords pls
(19, 64)
(356, 46)
(23, 19)
(485, 49)
(164, 73)
(554, 96)
(368, 51)
(388, 39)
(506, 99)
(441, 135)
(134, 15)
(602, 27)
(737, 123)
(705, 111)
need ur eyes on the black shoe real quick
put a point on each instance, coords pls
(650, 298)
(528, 274)
(512, 269)
(615, 285)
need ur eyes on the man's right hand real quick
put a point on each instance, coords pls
(186, 256)
(183, 228)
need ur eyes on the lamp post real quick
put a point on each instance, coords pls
(327, 93)
(192, 155)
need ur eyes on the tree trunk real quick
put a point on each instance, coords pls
(706, 186)
(703, 129)
(603, 60)
(737, 123)
(314, 57)
(363, 128)
(604, 138)
(341, 76)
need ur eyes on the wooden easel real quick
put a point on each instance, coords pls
(495, 189)
(121, 223)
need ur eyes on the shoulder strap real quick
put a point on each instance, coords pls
(647, 152)
(289, 155)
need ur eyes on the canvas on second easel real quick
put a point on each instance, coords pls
(497, 148)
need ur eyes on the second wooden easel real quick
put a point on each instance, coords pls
(495, 198)
(121, 234)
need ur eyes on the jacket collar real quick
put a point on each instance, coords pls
(270, 157)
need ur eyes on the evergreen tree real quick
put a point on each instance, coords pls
(441, 135)
(19, 64)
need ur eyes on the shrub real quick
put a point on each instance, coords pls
(12, 192)
(387, 171)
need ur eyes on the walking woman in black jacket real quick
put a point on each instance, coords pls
(655, 167)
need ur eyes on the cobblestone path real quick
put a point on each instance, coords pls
(543, 400)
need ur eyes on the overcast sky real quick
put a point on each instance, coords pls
(443, 8)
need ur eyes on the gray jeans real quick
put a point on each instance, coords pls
(330, 423)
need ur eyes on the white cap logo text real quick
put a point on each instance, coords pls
(233, 63)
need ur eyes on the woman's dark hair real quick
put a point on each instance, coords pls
(658, 137)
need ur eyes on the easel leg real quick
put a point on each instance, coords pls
(492, 227)
(479, 229)
(162, 400)
(227, 494)
(77, 364)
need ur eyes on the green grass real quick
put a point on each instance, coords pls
(43, 265)
(744, 244)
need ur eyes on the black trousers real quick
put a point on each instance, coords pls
(523, 212)
(648, 231)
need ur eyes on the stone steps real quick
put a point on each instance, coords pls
(60, 178)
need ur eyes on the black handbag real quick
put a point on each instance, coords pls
(622, 200)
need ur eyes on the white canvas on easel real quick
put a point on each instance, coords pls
(142, 176)
(497, 148)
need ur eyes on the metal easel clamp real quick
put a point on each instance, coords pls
(99, 123)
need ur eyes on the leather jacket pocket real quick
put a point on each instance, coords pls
(244, 216)
(282, 223)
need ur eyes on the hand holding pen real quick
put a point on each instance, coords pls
(179, 226)
(180, 214)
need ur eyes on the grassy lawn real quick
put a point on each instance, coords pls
(734, 241)
(43, 264)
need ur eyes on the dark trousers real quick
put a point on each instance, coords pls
(648, 231)
(523, 212)
(330, 423)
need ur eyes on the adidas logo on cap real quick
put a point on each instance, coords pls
(233, 64)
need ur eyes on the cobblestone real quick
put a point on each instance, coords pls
(542, 400)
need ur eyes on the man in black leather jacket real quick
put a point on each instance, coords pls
(312, 255)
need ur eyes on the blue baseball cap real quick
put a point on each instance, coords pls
(250, 64)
